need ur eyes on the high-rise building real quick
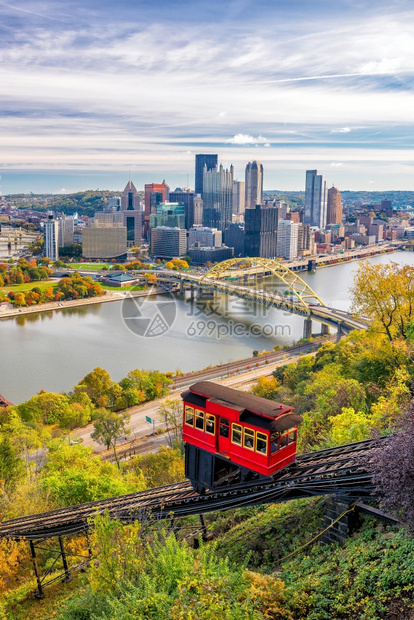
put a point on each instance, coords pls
(185, 197)
(198, 210)
(254, 185)
(239, 198)
(315, 199)
(261, 232)
(208, 160)
(204, 237)
(104, 241)
(66, 230)
(154, 193)
(287, 239)
(130, 206)
(171, 214)
(168, 242)
(234, 238)
(217, 197)
(334, 208)
(51, 237)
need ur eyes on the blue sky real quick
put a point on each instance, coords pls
(91, 90)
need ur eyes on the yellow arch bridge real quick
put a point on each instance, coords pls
(234, 277)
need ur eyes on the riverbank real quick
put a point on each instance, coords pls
(7, 312)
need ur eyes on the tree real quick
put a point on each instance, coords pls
(172, 414)
(385, 293)
(266, 387)
(109, 427)
(97, 385)
(11, 466)
(392, 465)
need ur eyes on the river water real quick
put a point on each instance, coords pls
(53, 351)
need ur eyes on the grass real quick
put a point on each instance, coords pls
(43, 285)
(91, 266)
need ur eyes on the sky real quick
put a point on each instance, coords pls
(93, 90)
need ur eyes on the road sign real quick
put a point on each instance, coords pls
(148, 419)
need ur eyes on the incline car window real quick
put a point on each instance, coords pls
(248, 440)
(236, 434)
(261, 443)
(189, 416)
(210, 423)
(199, 419)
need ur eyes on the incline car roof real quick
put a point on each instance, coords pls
(239, 400)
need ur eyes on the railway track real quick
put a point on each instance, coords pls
(338, 471)
(241, 365)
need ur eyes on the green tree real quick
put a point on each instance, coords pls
(97, 385)
(172, 413)
(11, 465)
(109, 427)
(385, 293)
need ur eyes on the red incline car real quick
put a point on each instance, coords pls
(232, 436)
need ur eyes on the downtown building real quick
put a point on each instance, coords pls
(315, 199)
(168, 242)
(217, 197)
(210, 162)
(132, 214)
(253, 185)
(260, 235)
(287, 239)
(334, 206)
(51, 237)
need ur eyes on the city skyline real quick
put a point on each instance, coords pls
(90, 93)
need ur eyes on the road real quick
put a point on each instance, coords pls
(140, 428)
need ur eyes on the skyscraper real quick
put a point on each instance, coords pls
(200, 161)
(254, 184)
(185, 197)
(261, 232)
(217, 197)
(239, 197)
(51, 237)
(334, 209)
(315, 199)
(287, 239)
(130, 206)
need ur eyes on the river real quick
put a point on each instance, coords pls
(53, 351)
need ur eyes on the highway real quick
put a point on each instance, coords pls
(242, 374)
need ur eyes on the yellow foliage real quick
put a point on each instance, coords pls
(13, 555)
(349, 426)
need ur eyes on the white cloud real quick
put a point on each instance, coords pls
(336, 164)
(244, 138)
(341, 130)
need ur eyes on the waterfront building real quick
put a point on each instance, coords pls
(239, 198)
(154, 193)
(334, 206)
(203, 236)
(253, 184)
(201, 256)
(315, 199)
(108, 218)
(66, 230)
(208, 160)
(287, 239)
(51, 237)
(104, 241)
(217, 197)
(167, 242)
(261, 232)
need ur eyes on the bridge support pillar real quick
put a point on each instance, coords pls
(324, 329)
(339, 334)
(339, 524)
(181, 288)
(307, 328)
(191, 292)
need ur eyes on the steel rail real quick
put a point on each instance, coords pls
(340, 471)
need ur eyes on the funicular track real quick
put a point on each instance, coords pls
(339, 471)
